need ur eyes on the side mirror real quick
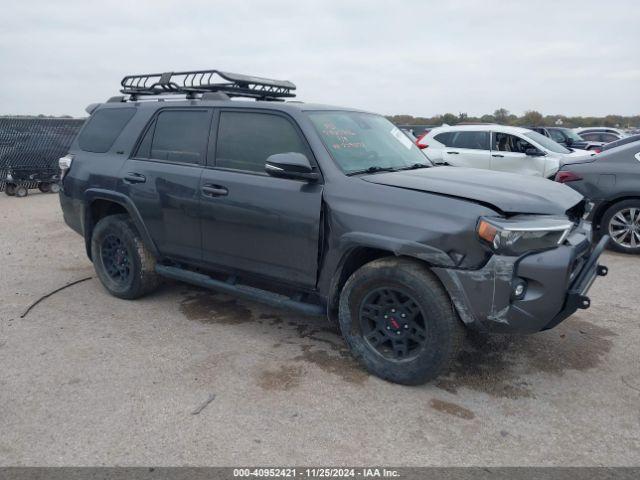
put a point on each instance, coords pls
(290, 165)
(569, 141)
(534, 152)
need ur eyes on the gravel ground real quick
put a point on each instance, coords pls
(190, 377)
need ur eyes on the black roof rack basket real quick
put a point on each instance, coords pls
(202, 81)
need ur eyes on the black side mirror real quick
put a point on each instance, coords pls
(534, 152)
(568, 141)
(290, 165)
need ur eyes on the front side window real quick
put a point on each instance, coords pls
(471, 140)
(178, 136)
(557, 136)
(247, 139)
(360, 141)
(504, 142)
(103, 128)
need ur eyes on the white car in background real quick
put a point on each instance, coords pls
(497, 147)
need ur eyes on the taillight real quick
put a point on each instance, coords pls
(65, 164)
(421, 146)
(567, 176)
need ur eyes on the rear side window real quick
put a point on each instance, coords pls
(176, 136)
(246, 139)
(444, 138)
(470, 140)
(103, 128)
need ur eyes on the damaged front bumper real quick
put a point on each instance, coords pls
(555, 284)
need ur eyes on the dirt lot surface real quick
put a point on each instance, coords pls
(187, 376)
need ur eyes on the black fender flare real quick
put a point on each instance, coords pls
(93, 194)
(350, 242)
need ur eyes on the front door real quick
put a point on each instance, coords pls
(252, 222)
(508, 155)
(163, 178)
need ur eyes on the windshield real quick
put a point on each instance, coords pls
(572, 135)
(546, 142)
(362, 141)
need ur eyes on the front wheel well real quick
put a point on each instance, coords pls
(351, 261)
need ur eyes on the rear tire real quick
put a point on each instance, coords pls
(399, 322)
(21, 191)
(54, 188)
(123, 264)
(44, 187)
(621, 221)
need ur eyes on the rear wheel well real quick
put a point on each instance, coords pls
(98, 209)
(597, 218)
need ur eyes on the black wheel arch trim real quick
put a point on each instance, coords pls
(351, 242)
(94, 194)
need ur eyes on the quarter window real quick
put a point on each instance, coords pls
(247, 139)
(103, 128)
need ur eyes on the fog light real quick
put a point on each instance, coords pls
(519, 289)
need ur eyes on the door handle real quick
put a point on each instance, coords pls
(133, 177)
(497, 155)
(453, 153)
(214, 190)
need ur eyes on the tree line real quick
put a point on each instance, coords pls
(529, 118)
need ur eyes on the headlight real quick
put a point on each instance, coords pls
(523, 233)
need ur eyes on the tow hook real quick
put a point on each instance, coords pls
(583, 302)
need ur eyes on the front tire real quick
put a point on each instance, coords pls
(10, 189)
(123, 264)
(21, 191)
(621, 222)
(44, 187)
(399, 322)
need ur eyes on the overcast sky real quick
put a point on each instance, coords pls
(415, 57)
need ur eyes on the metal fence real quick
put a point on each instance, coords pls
(34, 143)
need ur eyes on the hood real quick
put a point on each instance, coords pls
(507, 192)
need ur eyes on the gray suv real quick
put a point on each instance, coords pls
(324, 210)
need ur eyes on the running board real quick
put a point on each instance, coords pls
(244, 291)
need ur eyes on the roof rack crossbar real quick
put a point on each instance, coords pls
(202, 81)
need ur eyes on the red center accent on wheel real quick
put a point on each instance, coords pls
(394, 324)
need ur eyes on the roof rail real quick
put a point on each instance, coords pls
(202, 81)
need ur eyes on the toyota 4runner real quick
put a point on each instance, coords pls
(324, 210)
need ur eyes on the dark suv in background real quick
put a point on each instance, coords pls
(568, 138)
(325, 210)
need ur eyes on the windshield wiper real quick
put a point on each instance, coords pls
(372, 169)
(415, 166)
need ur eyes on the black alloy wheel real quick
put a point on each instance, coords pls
(393, 323)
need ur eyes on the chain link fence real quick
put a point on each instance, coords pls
(31, 147)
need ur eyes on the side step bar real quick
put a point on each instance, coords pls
(244, 291)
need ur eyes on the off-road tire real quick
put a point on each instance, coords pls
(143, 278)
(445, 332)
(21, 191)
(606, 220)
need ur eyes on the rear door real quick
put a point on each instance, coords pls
(163, 178)
(468, 149)
(251, 221)
(508, 155)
